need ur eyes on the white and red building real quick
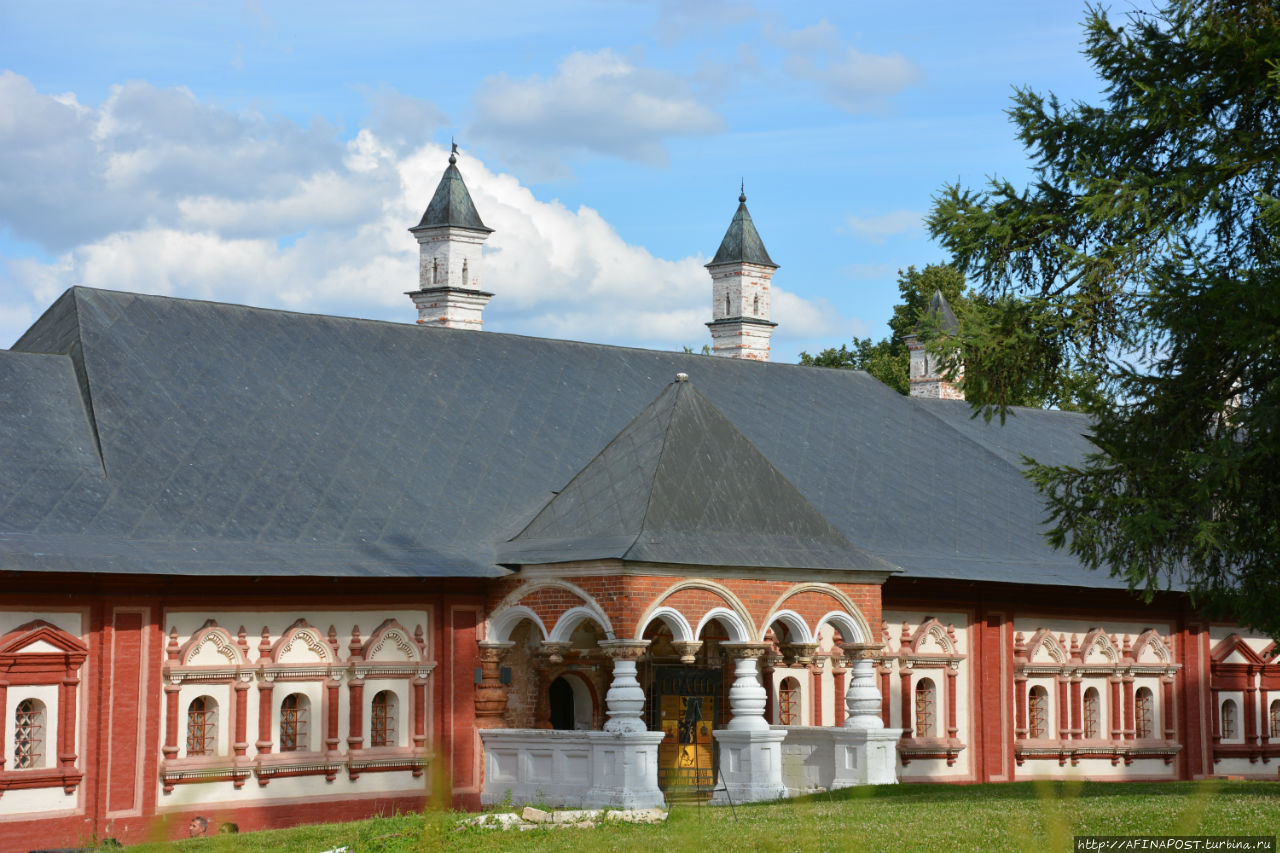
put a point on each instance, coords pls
(267, 568)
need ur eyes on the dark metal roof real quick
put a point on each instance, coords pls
(742, 243)
(681, 484)
(246, 441)
(451, 205)
(940, 312)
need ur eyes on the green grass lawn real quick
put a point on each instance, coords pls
(895, 819)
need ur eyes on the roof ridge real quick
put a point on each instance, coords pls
(662, 447)
(67, 306)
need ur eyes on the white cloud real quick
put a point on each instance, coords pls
(876, 228)
(856, 82)
(555, 271)
(595, 102)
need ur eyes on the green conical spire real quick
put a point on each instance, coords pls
(742, 243)
(452, 205)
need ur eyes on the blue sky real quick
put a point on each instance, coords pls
(273, 153)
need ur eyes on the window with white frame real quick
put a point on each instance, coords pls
(295, 723)
(29, 721)
(1144, 713)
(1092, 713)
(1275, 720)
(202, 726)
(1038, 712)
(382, 720)
(1228, 718)
(926, 708)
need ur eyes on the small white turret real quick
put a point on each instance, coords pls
(740, 276)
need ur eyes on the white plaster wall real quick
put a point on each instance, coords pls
(309, 788)
(1257, 642)
(70, 621)
(23, 804)
(1097, 768)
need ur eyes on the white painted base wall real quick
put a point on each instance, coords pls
(572, 769)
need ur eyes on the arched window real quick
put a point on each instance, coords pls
(1275, 720)
(1229, 719)
(28, 730)
(756, 306)
(1092, 713)
(1144, 713)
(789, 702)
(926, 708)
(295, 723)
(202, 726)
(726, 304)
(1039, 712)
(382, 722)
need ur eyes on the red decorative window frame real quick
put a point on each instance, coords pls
(20, 668)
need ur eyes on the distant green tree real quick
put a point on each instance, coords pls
(986, 376)
(1146, 251)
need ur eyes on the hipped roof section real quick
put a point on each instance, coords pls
(681, 484)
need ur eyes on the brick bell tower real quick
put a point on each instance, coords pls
(450, 241)
(740, 275)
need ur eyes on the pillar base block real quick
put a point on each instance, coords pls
(750, 766)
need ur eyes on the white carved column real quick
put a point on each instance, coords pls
(750, 751)
(866, 751)
(624, 702)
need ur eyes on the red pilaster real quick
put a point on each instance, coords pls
(241, 746)
(884, 696)
(815, 674)
(1126, 689)
(838, 675)
(905, 703)
(1166, 708)
(1251, 706)
(1020, 698)
(170, 720)
(331, 739)
(355, 729)
(1117, 710)
(67, 722)
(419, 712)
(264, 716)
(1077, 709)
(4, 713)
(1060, 686)
(953, 728)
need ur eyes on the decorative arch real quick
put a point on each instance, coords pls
(1097, 641)
(861, 628)
(851, 629)
(1232, 644)
(1150, 639)
(569, 621)
(300, 639)
(1044, 639)
(795, 624)
(511, 601)
(932, 629)
(211, 645)
(503, 622)
(733, 623)
(672, 618)
(733, 607)
(391, 641)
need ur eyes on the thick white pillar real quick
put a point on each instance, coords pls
(750, 751)
(866, 751)
(624, 702)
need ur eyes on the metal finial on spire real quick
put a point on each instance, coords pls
(742, 191)
(453, 155)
